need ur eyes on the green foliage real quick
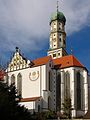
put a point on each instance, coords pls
(9, 107)
(44, 115)
(67, 108)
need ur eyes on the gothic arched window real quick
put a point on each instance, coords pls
(50, 80)
(67, 85)
(78, 90)
(58, 90)
(49, 101)
(19, 85)
(13, 79)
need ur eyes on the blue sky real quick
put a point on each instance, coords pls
(25, 23)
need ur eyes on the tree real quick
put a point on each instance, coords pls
(9, 107)
(67, 108)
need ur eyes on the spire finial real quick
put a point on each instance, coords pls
(57, 5)
(17, 49)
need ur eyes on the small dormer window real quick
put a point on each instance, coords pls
(54, 55)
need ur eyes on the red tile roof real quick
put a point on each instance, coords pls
(2, 73)
(41, 61)
(67, 61)
(29, 99)
(63, 62)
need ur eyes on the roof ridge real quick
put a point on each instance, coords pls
(67, 61)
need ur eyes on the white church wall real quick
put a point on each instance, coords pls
(85, 90)
(89, 91)
(43, 78)
(34, 82)
(52, 91)
(31, 79)
(72, 71)
(31, 82)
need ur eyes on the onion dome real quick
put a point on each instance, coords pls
(58, 16)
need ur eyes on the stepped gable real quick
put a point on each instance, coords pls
(67, 61)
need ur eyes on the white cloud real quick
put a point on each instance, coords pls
(25, 23)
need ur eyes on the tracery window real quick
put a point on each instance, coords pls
(49, 101)
(58, 90)
(19, 85)
(13, 79)
(67, 85)
(50, 80)
(78, 90)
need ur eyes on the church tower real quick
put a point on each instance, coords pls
(57, 43)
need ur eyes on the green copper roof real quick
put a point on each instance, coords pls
(58, 16)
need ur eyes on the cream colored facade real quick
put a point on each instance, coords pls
(43, 85)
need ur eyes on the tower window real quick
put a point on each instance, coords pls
(58, 54)
(64, 41)
(19, 85)
(54, 34)
(13, 79)
(59, 28)
(54, 55)
(60, 39)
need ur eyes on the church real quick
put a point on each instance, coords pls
(43, 83)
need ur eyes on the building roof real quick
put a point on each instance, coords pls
(41, 61)
(2, 73)
(63, 62)
(58, 16)
(29, 99)
(67, 61)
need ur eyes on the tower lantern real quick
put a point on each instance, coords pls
(57, 44)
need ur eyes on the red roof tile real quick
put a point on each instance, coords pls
(41, 61)
(67, 61)
(63, 62)
(2, 73)
(29, 99)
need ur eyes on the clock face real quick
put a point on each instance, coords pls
(34, 75)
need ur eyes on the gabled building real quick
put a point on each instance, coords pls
(44, 83)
